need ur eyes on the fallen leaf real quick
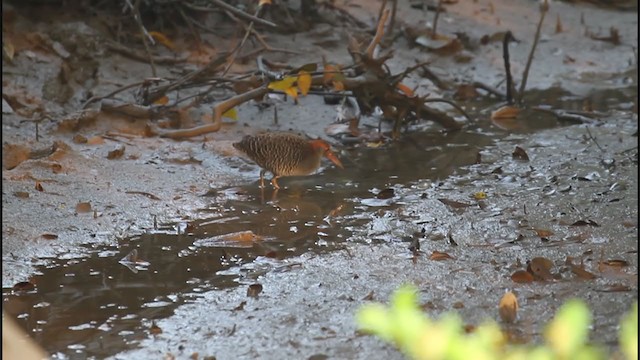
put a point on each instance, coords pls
(24, 286)
(558, 25)
(405, 89)
(540, 268)
(579, 270)
(254, 290)
(21, 194)
(39, 186)
(522, 277)
(304, 82)
(283, 84)
(505, 112)
(520, 154)
(439, 256)
(544, 233)
(480, 195)
(83, 207)
(615, 263)
(508, 307)
(95, 140)
(231, 114)
(155, 329)
(385, 194)
(49, 236)
(163, 39)
(585, 223)
(466, 92)
(116, 153)
(162, 101)
(454, 204)
(292, 91)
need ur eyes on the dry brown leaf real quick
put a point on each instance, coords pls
(615, 263)
(540, 268)
(155, 329)
(454, 204)
(21, 194)
(14, 154)
(520, 154)
(95, 140)
(405, 89)
(254, 290)
(242, 236)
(24, 286)
(49, 236)
(558, 25)
(505, 112)
(39, 186)
(466, 92)
(83, 207)
(543, 232)
(507, 124)
(116, 153)
(439, 256)
(508, 307)
(162, 101)
(522, 277)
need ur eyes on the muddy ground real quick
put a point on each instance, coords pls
(337, 244)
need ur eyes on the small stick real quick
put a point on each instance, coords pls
(543, 11)
(508, 37)
(135, 9)
(435, 20)
(379, 33)
(232, 9)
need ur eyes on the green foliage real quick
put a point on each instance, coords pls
(404, 324)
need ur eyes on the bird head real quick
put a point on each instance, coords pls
(323, 146)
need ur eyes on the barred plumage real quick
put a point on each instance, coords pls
(285, 154)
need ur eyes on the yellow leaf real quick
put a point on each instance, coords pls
(162, 101)
(264, 2)
(480, 195)
(508, 307)
(231, 114)
(283, 84)
(405, 89)
(162, 39)
(292, 91)
(304, 82)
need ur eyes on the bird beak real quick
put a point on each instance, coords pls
(334, 159)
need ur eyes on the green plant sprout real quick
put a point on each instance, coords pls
(422, 338)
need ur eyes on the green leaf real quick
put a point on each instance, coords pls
(568, 332)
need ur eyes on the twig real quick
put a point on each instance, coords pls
(392, 21)
(435, 20)
(594, 139)
(119, 90)
(237, 12)
(165, 60)
(490, 89)
(135, 9)
(218, 110)
(508, 37)
(379, 33)
(454, 105)
(543, 11)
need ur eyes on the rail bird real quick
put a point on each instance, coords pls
(285, 154)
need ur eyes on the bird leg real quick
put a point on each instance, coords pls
(274, 182)
(262, 178)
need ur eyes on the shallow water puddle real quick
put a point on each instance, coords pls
(97, 306)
